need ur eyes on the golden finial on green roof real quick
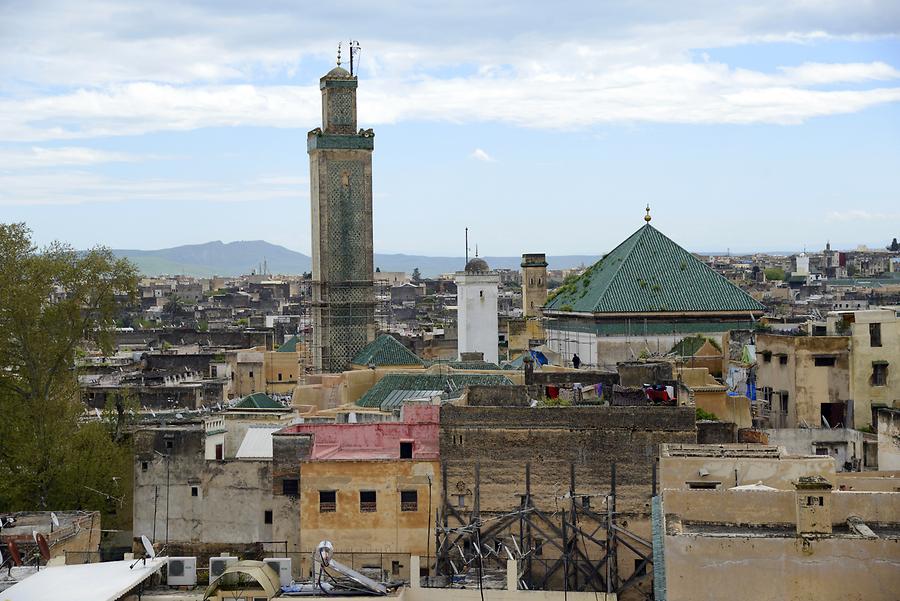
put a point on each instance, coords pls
(647, 217)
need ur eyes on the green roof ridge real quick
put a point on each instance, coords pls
(257, 400)
(676, 281)
(386, 350)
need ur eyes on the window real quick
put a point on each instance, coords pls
(327, 501)
(395, 568)
(406, 450)
(538, 547)
(782, 359)
(640, 566)
(144, 466)
(409, 500)
(290, 487)
(784, 402)
(767, 356)
(251, 374)
(815, 501)
(879, 374)
(821, 450)
(220, 452)
(169, 444)
(711, 485)
(267, 516)
(279, 376)
(586, 502)
(874, 334)
(195, 491)
(367, 501)
(824, 361)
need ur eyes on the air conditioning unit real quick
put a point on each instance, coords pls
(282, 567)
(217, 565)
(182, 571)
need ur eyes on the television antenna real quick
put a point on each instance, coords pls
(354, 51)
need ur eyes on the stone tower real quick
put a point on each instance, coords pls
(340, 177)
(534, 283)
(476, 300)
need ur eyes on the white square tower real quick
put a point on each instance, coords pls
(476, 302)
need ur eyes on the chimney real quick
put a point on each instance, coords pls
(813, 505)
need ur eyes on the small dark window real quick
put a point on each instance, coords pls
(640, 566)
(782, 359)
(406, 450)
(195, 491)
(290, 487)
(220, 452)
(821, 450)
(279, 376)
(586, 502)
(251, 374)
(784, 402)
(874, 334)
(538, 547)
(703, 485)
(367, 501)
(767, 356)
(267, 516)
(327, 501)
(169, 444)
(409, 500)
(144, 466)
(395, 568)
(824, 361)
(879, 374)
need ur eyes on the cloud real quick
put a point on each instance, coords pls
(38, 157)
(850, 215)
(480, 155)
(29, 188)
(105, 68)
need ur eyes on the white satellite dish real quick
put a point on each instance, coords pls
(97, 411)
(153, 413)
(34, 536)
(54, 519)
(148, 547)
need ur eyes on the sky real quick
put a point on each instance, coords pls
(540, 126)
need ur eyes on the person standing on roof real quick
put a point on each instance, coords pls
(576, 361)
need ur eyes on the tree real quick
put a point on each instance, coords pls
(774, 273)
(55, 303)
(174, 306)
(894, 246)
(416, 275)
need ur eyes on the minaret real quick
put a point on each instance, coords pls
(476, 301)
(340, 169)
(534, 283)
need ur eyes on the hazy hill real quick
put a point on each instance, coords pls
(236, 258)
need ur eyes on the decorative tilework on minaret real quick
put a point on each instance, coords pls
(340, 166)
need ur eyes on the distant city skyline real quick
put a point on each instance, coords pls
(770, 126)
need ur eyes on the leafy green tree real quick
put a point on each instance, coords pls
(416, 275)
(54, 303)
(174, 307)
(774, 273)
(894, 246)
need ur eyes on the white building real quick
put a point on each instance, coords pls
(476, 299)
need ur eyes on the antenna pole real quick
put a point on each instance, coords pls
(467, 246)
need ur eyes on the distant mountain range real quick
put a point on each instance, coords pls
(237, 258)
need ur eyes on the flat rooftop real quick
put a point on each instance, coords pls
(745, 451)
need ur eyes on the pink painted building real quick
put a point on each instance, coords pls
(415, 437)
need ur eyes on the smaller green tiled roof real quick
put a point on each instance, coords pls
(257, 400)
(289, 346)
(386, 350)
(424, 382)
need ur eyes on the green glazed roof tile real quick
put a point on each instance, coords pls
(649, 273)
(455, 382)
(386, 350)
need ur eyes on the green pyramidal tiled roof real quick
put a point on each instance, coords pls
(257, 400)
(289, 346)
(456, 382)
(649, 273)
(386, 350)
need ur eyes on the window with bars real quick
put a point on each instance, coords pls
(368, 501)
(327, 501)
(409, 500)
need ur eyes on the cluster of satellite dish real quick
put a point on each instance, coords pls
(178, 414)
(40, 542)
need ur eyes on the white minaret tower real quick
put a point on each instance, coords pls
(476, 301)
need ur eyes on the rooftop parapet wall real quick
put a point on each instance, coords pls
(680, 419)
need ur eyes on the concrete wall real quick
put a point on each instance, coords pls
(842, 444)
(780, 473)
(889, 440)
(700, 568)
(863, 391)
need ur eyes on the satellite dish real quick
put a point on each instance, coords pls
(148, 547)
(34, 535)
(43, 546)
(14, 552)
(153, 413)
(54, 519)
(97, 411)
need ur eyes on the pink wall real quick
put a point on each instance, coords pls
(375, 441)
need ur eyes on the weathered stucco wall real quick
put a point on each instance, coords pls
(863, 389)
(700, 568)
(780, 473)
(889, 440)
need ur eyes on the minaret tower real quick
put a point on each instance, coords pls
(340, 177)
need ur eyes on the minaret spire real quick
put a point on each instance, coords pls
(339, 55)
(647, 217)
